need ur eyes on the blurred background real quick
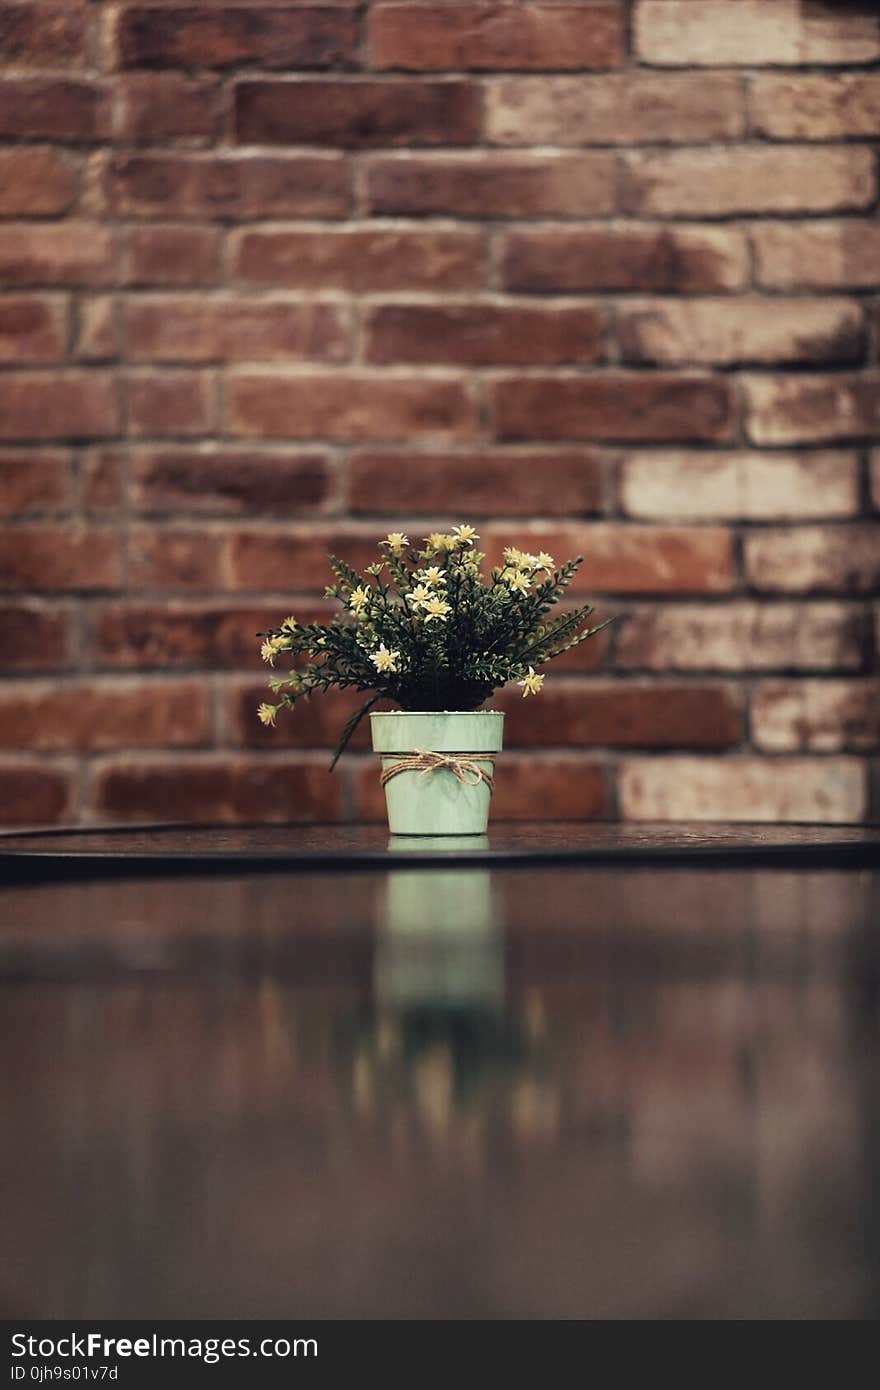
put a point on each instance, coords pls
(599, 277)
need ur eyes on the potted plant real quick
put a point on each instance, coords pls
(426, 630)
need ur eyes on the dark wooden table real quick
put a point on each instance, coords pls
(566, 1072)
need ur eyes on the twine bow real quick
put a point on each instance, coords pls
(463, 766)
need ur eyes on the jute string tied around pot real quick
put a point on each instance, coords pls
(462, 765)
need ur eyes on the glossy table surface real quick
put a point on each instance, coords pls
(305, 847)
(572, 1072)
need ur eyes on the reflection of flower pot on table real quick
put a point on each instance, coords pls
(438, 942)
(437, 769)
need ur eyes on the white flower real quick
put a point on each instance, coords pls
(384, 660)
(419, 594)
(396, 542)
(433, 576)
(360, 597)
(436, 608)
(531, 682)
(519, 582)
(545, 562)
(266, 714)
(465, 535)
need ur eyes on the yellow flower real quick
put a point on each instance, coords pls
(465, 535)
(545, 562)
(436, 608)
(439, 540)
(531, 682)
(266, 714)
(384, 660)
(271, 647)
(520, 582)
(360, 597)
(289, 623)
(433, 576)
(513, 557)
(396, 542)
(420, 593)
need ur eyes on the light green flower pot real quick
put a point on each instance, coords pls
(435, 802)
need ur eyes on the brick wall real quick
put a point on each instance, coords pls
(600, 276)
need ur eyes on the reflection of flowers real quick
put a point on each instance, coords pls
(441, 1064)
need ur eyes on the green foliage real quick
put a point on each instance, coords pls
(426, 630)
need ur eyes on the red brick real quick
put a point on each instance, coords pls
(357, 114)
(169, 404)
(103, 715)
(47, 558)
(35, 181)
(487, 185)
(622, 715)
(103, 478)
(812, 409)
(66, 405)
(829, 716)
(615, 109)
(716, 33)
(34, 795)
(166, 329)
(748, 179)
(484, 36)
(295, 558)
(359, 259)
(32, 329)
(315, 723)
(152, 107)
(745, 329)
(815, 106)
(835, 559)
(682, 259)
(183, 634)
(695, 485)
(231, 483)
(33, 483)
(250, 35)
(97, 339)
(237, 187)
(532, 482)
(218, 790)
(174, 559)
(45, 35)
(613, 406)
(46, 108)
(349, 407)
(555, 786)
(59, 253)
(178, 256)
(630, 559)
(817, 255)
(35, 636)
(481, 335)
(743, 637)
(742, 789)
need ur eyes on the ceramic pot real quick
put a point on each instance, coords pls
(433, 800)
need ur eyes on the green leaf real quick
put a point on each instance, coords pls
(350, 727)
